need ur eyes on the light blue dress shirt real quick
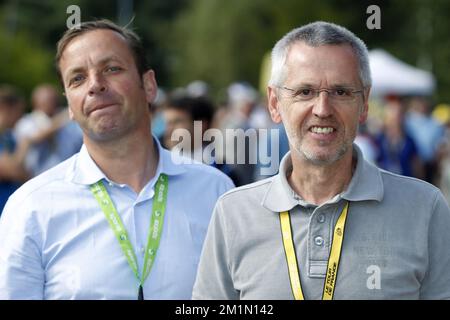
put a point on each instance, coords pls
(55, 242)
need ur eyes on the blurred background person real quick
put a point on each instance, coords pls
(12, 172)
(426, 132)
(63, 137)
(397, 151)
(366, 142)
(242, 101)
(156, 108)
(180, 112)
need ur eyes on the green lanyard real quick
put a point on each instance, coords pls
(154, 234)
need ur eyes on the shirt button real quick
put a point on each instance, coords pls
(318, 241)
(321, 218)
(111, 184)
(142, 249)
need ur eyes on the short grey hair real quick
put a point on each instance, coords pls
(317, 34)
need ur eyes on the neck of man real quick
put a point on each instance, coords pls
(317, 184)
(130, 160)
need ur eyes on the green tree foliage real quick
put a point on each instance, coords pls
(220, 41)
(225, 41)
(24, 62)
(29, 30)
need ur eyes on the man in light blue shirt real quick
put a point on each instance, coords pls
(86, 228)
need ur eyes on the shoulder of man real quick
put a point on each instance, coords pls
(251, 193)
(410, 194)
(410, 184)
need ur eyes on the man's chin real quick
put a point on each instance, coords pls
(320, 157)
(105, 134)
(321, 160)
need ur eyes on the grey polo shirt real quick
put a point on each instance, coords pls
(396, 242)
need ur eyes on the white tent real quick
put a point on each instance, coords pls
(392, 76)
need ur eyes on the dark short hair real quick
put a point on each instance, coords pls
(133, 40)
(199, 108)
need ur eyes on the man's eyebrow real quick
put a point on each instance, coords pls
(342, 85)
(303, 85)
(102, 62)
(108, 59)
(309, 85)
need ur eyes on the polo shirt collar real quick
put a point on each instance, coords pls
(86, 171)
(280, 196)
(366, 184)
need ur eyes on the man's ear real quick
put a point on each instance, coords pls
(363, 114)
(273, 104)
(149, 85)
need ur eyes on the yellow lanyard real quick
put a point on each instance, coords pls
(333, 260)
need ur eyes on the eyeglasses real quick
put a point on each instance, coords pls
(340, 94)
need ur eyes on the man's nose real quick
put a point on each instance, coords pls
(322, 107)
(97, 84)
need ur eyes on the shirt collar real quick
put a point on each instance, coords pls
(85, 170)
(366, 184)
(279, 196)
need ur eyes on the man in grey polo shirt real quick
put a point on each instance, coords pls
(330, 225)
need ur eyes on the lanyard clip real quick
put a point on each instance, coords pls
(140, 293)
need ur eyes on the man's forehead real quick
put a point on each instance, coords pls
(336, 63)
(99, 41)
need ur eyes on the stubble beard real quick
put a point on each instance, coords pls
(295, 140)
(107, 130)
